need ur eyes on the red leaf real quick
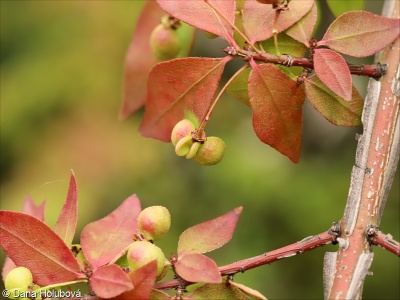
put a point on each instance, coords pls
(143, 280)
(32, 244)
(335, 109)
(333, 71)
(258, 19)
(139, 59)
(110, 281)
(159, 295)
(178, 85)
(30, 208)
(103, 240)
(360, 33)
(303, 29)
(68, 218)
(209, 235)
(276, 102)
(199, 14)
(198, 268)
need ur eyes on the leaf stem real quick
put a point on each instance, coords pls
(200, 131)
(232, 25)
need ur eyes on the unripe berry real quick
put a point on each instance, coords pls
(141, 253)
(165, 42)
(181, 129)
(18, 280)
(154, 222)
(211, 152)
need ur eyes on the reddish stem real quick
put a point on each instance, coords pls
(374, 71)
(386, 241)
(300, 247)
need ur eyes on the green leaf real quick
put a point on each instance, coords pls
(276, 102)
(334, 108)
(286, 45)
(238, 87)
(221, 291)
(339, 7)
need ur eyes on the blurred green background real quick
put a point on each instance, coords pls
(61, 90)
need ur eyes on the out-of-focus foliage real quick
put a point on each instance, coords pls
(61, 90)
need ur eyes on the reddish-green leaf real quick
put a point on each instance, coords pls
(333, 71)
(258, 19)
(256, 295)
(335, 109)
(139, 59)
(103, 240)
(110, 281)
(303, 29)
(143, 280)
(34, 210)
(68, 218)
(340, 7)
(221, 291)
(32, 244)
(360, 33)
(176, 86)
(198, 268)
(276, 102)
(199, 14)
(238, 87)
(209, 235)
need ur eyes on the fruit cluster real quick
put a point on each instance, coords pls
(17, 282)
(153, 224)
(208, 151)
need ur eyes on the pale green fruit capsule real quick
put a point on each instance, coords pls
(154, 222)
(181, 129)
(140, 253)
(17, 281)
(182, 148)
(165, 42)
(193, 150)
(211, 152)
